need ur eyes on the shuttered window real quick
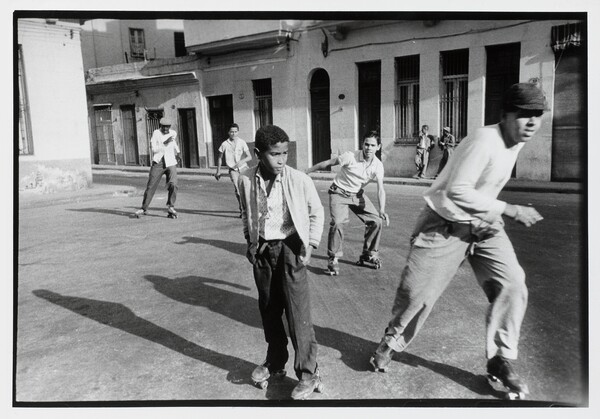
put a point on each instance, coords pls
(263, 102)
(454, 91)
(406, 104)
(137, 44)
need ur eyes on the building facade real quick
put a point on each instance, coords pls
(329, 82)
(53, 135)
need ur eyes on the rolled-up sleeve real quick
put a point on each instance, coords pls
(316, 213)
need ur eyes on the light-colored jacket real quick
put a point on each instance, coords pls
(302, 200)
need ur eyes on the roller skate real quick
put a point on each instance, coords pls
(501, 377)
(171, 213)
(262, 373)
(333, 267)
(139, 213)
(304, 388)
(369, 261)
(381, 357)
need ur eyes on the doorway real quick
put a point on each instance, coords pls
(189, 139)
(369, 99)
(220, 110)
(319, 111)
(130, 144)
(502, 71)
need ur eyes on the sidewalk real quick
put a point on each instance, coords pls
(512, 185)
(33, 198)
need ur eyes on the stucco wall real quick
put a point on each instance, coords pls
(104, 41)
(54, 78)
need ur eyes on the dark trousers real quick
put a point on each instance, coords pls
(156, 172)
(282, 284)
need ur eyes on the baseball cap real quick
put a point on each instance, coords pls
(446, 129)
(165, 121)
(525, 96)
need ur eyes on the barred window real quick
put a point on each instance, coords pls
(406, 104)
(263, 102)
(25, 139)
(454, 91)
(137, 44)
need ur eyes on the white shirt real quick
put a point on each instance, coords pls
(468, 187)
(274, 218)
(233, 151)
(161, 150)
(356, 172)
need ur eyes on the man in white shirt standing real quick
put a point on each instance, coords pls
(463, 219)
(236, 153)
(358, 168)
(165, 153)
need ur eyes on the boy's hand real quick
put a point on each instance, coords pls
(251, 253)
(305, 259)
(527, 215)
(385, 218)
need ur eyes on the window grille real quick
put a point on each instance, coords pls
(25, 139)
(263, 102)
(454, 91)
(137, 43)
(406, 104)
(153, 117)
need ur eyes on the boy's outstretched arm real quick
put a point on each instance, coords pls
(325, 164)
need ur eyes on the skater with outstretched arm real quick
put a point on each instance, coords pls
(236, 154)
(357, 169)
(165, 154)
(463, 219)
(283, 222)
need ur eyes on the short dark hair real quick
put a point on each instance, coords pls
(269, 135)
(234, 126)
(425, 126)
(372, 134)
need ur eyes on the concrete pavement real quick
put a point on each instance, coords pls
(117, 309)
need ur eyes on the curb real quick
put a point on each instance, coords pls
(512, 185)
(40, 200)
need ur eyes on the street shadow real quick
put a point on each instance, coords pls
(233, 247)
(121, 317)
(211, 213)
(474, 382)
(355, 351)
(121, 213)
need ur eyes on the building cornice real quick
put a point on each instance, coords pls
(119, 86)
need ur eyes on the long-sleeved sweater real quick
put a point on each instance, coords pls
(468, 187)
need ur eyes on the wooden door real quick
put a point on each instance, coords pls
(220, 110)
(130, 144)
(369, 99)
(188, 139)
(502, 71)
(104, 135)
(569, 120)
(319, 111)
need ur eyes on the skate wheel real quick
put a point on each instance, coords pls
(511, 395)
(320, 387)
(262, 384)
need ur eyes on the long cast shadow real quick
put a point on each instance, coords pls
(233, 247)
(129, 214)
(121, 317)
(354, 350)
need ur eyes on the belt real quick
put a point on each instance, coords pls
(335, 188)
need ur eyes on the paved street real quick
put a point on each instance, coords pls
(112, 308)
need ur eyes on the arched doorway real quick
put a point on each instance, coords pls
(319, 110)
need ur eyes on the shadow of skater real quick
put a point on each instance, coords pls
(212, 213)
(355, 351)
(474, 382)
(236, 248)
(121, 317)
(109, 211)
